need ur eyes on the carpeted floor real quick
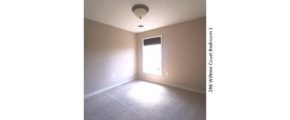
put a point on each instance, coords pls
(141, 100)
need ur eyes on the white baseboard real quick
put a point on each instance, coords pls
(106, 88)
(177, 86)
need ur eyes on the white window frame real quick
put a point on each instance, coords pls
(160, 51)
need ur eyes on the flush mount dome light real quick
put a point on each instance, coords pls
(140, 10)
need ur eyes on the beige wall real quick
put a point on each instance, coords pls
(110, 56)
(184, 54)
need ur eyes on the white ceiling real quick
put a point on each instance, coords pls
(161, 13)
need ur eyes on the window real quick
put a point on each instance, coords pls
(152, 56)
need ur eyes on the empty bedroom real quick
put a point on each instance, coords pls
(145, 60)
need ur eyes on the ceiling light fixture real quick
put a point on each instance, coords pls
(140, 10)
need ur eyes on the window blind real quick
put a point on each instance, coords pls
(152, 41)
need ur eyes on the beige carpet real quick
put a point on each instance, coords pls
(140, 100)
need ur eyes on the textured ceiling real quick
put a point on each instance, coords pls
(161, 13)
